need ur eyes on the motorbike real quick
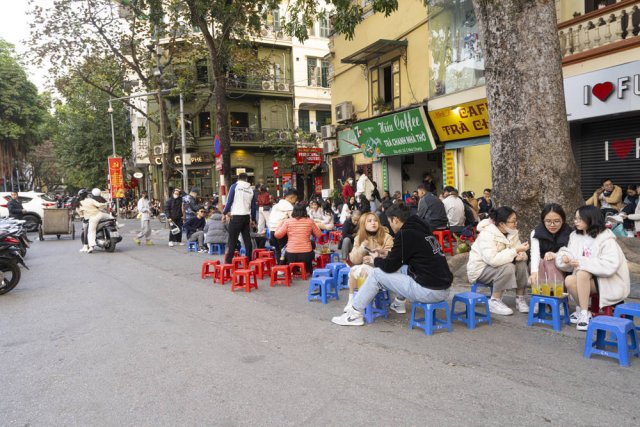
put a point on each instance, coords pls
(14, 229)
(107, 234)
(10, 261)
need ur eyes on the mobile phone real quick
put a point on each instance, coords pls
(367, 250)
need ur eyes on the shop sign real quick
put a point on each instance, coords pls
(604, 92)
(309, 155)
(621, 148)
(195, 158)
(399, 133)
(115, 177)
(348, 143)
(463, 121)
(449, 167)
(317, 184)
(385, 175)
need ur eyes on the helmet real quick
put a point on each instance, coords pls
(82, 192)
(96, 192)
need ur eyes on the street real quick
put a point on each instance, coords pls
(137, 338)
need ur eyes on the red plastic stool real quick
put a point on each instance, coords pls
(335, 236)
(266, 264)
(323, 239)
(259, 267)
(595, 307)
(322, 260)
(269, 256)
(441, 235)
(255, 252)
(240, 262)
(205, 269)
(223, 272)
(276, 280)
(302, 270)
(244, 278)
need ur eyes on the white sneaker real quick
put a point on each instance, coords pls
(181, 243)
(84, 249)
(89, 250)
(583, 320)
(573, 317)
(347, 307)
(521, 305)
(351, 318)
(398, 306)
(498, 307)
(171, 244)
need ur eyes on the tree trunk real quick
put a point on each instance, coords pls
(531, 158)
(222, 122)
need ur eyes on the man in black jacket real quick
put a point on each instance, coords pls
(431, 209)
(173, 210)
(415, 268)
(16, 210)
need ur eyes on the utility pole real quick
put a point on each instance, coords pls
(161, 107)
(183, 131)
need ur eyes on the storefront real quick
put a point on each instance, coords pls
(464, 129)
(603, 109)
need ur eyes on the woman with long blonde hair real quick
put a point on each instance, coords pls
(371, 236)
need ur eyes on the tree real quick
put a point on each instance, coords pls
(22, 111)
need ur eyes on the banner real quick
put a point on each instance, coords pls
(115, 177)
(399, 133)
(310, 155)
(317, 184)
(468, 120)
(449, 167)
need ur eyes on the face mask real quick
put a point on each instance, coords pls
(175, 196)
(510, 230)
(350, 181)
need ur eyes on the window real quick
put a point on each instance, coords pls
(325, 27)
(303, 120)
(324, 73)
(204, 120)
(273, 20)
(202, 71)
(385, 86)
(322, 118)
(317, 72)
(239, 120)
(591, 5)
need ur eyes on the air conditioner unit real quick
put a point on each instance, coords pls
(328, 131)
(267, 85)
(283, 87)
(329, 146)
(344, 111)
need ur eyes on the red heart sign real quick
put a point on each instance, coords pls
(602, 91)
(622, 147)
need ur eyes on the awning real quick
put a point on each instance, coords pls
(374, 50)
(467, 143)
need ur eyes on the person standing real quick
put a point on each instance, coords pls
(265, 203)
(241, 205)
(364, 186)
(173, 210)
(190, 204)
(347, 190)
(144, 209)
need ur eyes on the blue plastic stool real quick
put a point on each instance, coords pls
(378, 307)
(335, 268)
(243, 252)
(475, 285)
(192, 247)
(430, 322)
(554, 304)
(326, 286)
(343, 278)
(620, 329)
(334, 257)
(216, 248)
(321, 272)
(469, 315)
(630, 310)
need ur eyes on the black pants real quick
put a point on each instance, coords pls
(239, 224)
(305, 257)
(279, 244)
(176, 237)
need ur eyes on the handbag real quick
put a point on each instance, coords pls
(175, 230)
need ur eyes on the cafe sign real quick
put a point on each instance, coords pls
(309, 155)
(398, 133)
(463, 121)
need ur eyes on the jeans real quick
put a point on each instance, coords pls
(145, 229)
(239, 224)
(399, 283)
(197, 236)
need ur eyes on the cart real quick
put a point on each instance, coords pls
(57, 221)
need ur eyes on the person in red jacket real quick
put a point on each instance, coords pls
(264, 202)
(347, 190)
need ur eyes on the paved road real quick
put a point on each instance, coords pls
(136, 338)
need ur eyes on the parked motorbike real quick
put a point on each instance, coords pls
(10, 259)
(14, 229)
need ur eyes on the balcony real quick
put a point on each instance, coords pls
(256, 136)
(265, 85)
(601, 32)
(271, 34)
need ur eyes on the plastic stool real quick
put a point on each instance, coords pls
(430, 322)
(321, 272)
(335, 268)
(334, 257)
(322, 260)
(554, 304)
(206, 272)
(216, 248)
(244, 278)
(595, 307)
(469, 315)
(441, 235)
(379, 307)
(259, 267)
(240, 262)
(326, 286)
(323, 239)
(223, 272)
(276, 280)
(302, 270)
(335, 237)
(475, 285)
(343, 278)
(629, 310)
(255, 252)
(192, 247)
(620, 329)
(266, 265)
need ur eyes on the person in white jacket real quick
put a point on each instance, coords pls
(145, 219)
(498, 258)
(597, 263)
(92, 210)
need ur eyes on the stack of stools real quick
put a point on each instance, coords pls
(223, 273)
(192, 247)
(554, 304)
(469, 316)
(240, 262)
(298, 269)
(334, 257)
(343, 278)
(255, 252)
(275, 275)
(216, 248)
(206, 271)
(335, 237)
(269, 256)
(441, 235)
(430, 323)
(244, 278)
(322, 288)
(335, 268)
(622, 331)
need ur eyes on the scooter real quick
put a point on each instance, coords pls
(9, 259)
(107, 234)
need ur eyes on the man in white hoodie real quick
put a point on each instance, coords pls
(364, 185)
(279, 212)
(241, 205)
